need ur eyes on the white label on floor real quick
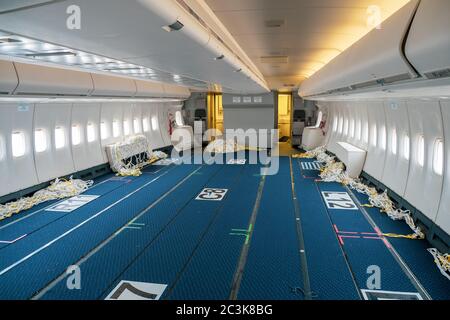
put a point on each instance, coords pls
(237, 161)
(131, 290)
(311, 165)
(339, 200)
(390, 295)
(212, 194)
(72, 204)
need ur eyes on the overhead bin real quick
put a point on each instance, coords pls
(149, 89)
(8, 79)
(375, 60)
(174, 91)
(44, 80)
(428, 44)
(112, 86)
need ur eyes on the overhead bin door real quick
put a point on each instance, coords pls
(149, 89)
(428, 44)
(39, 80)
(113, 86)
(8, 79)
(377, 56)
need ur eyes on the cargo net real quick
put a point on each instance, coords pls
(227, 146)
(333, 171)
(58, 189)
(129, 157)
(442, 261)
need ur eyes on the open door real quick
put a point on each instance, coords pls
(284, 116)
(215, 111)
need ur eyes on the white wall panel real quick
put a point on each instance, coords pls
(327, 107)
(87, 154)
(136, 113)
(334, 134)
(157, 139)
(424, 186)
(127, 119)
(17, 173)
(397, 165)
(110, 113)
(53, 162)
(164, 126)
(443, 216)
(376, 154)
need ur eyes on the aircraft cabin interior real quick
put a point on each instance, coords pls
(212, 150)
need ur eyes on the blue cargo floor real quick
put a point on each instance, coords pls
(216, 232)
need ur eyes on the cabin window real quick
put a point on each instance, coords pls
(438, 157)
(406, 151)
(60, 138)
(126, 127)
(91, 136)
(18, 144)
(145, 125)
(76, 135)
(394, 141)
(154, 123)
(374, 135)
(335, 124)
(104, 134)
(40, 140)
(178, 118)
(136, 125)
(421, 150)
(116, 128)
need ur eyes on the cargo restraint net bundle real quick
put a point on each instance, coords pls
(59, 189)
(129, 156)
(334, 171)
(227, 146)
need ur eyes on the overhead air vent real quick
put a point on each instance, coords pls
(274, 59)
(276, 23)
(445, 73)
(177, 25)
(382, 82)
(397, 78)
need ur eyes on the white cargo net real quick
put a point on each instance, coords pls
(59, 189)
(442, 261)
(136, 147)
(227, 146)
(334, 171)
